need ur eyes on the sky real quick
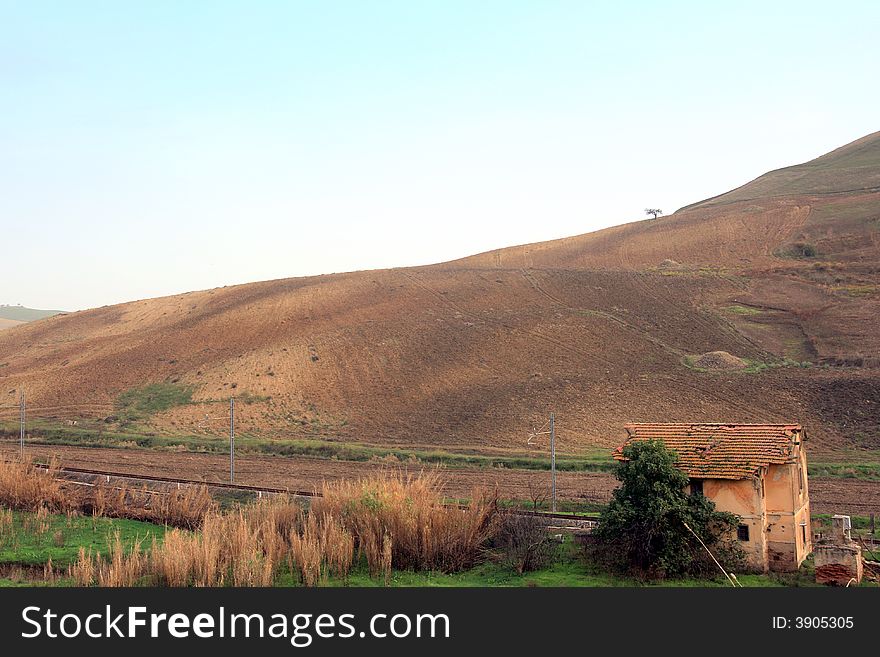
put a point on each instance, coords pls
(155, 147)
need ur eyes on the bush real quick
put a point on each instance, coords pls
(798, 250)
(523, 543)
(402, 521)
(644, 531)
(25, 487)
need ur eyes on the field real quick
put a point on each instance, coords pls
(588, 490)
(24, 566)
(31, 541)
(11, 316)
(279, 543)
(8, 323)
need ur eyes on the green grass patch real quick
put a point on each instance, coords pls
(25, 547)
(864, 471)
(857, 290)
(736, 309)
(753, 366)
(859, 466)
(569, 569)
(33, 541)
(140, 403)
(22, 314)
(860, 524)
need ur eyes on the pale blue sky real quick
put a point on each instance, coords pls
(148, 148)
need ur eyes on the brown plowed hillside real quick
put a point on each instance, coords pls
(472, 354)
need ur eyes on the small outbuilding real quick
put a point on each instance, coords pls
(756, 471)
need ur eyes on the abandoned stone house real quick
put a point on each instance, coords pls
(757, 471)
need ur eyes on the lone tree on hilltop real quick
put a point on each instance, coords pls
(644, 531)
(654, 212)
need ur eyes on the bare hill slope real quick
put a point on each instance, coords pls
(602, 328)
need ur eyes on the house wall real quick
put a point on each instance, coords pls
(744, 498)
(789, 535)
(776, 508)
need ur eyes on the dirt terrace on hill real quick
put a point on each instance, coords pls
(827, 495)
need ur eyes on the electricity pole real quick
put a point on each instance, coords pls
(231, 440)
(21, 418)
(553, 460)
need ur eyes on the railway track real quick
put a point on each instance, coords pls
(181, 482)
(557, 520)
(560, 520)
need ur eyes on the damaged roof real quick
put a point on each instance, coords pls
(720, 451)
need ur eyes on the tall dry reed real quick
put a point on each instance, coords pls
(121, 568)
(83, 570)
(322, 547)
(25, 487)
(184, 508)
(393, 520)
(406, 516)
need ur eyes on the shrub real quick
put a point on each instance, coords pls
(798, 250)
(401, 521)
(523, 543)
(644, 529)
(25, 487)
(232, 548)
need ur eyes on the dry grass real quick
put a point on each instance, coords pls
(7, 531)
(405, 516)
(184, 508)
(83, 571)
(172, 562)
(323, 546)
(392, 520)
(121, 569)
(49, 574)
(25, 487)
(240, 548)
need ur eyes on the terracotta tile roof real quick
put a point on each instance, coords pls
(720, 451)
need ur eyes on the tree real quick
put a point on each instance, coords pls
(644, 530)
(654, 212)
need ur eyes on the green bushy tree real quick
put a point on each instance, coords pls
(644, 532)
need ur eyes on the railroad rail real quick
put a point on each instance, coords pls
(182, 482)
(562, 520)
(567, 520)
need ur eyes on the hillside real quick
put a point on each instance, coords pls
(603, 328)
(13, 315)
(829, 203)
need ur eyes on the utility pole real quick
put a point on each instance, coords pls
(553, 460)
(231, 440)
(21, 418)
(534, 434)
